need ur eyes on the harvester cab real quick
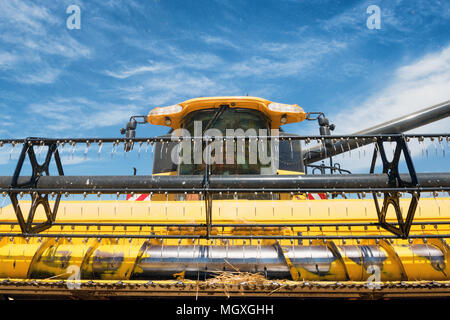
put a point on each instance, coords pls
(227, 117)
(234, 206)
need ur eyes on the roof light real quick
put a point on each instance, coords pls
(166, 110)
(280, 107)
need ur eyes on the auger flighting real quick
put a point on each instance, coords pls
(230, 192)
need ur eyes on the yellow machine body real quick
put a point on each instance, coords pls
(119, 259)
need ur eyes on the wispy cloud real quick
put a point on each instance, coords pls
(39, 76)
(183, 74)
(397, 17)
(32, 32)
(287, 59)
(131, 54)
(219, 41)
(26, 16)
(129, 72)
(7, 60)
(73, 115)
(170, 58)
(414, 86)
(187, 84)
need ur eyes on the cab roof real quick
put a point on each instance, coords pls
(172, 116)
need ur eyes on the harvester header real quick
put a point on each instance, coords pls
(236, 208)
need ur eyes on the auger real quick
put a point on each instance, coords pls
(237, 199)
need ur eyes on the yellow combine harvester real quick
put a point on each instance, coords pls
(231, 209)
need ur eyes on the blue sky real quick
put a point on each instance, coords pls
(130, 56)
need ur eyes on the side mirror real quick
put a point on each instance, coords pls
(130, 131)
(325, 128)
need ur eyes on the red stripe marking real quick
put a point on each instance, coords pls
(142, 197)
(317, 196)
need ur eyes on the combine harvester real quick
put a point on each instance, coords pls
(249, 213)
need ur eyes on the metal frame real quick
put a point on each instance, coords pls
(392, 198)
(37, 198)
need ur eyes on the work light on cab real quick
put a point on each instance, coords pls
(280, 107)
(158, 111)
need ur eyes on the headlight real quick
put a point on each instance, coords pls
(166, 110)
(280, 107)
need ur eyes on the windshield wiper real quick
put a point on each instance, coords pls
(216, 116)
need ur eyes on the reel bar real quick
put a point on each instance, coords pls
(352, 183)
(362, 138)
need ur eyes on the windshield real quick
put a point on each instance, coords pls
(230, 118)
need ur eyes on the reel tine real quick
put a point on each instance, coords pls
(162, 147)
(435, 146)
(359, 151)
(100, 147)
(147, 143)
(41, 147)
(349, 149)
(139, 149)
(13, 145)
(113, 150)
(88, 144)
(292, 150)
(74, 145)
(441, 145)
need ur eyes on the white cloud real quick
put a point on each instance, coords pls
(200, 61)
(415, 86)
(72, 116)
(7, 60)
(401, 16)
(431, 65)
(42, 75)
(421, 84)
(177, 60)
(129, 72)
(183, 85)
(26, 16)
(220, 41)
(287, 59)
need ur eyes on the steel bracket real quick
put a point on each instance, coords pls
(37, 198)
(392, 198)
